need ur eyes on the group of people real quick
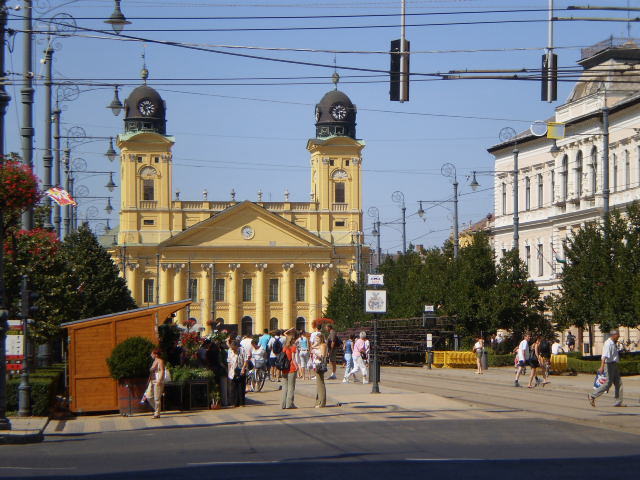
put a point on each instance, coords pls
(536, 355)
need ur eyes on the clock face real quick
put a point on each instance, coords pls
(146, 107)
(339, 111)
(247, 232)
(317, 113)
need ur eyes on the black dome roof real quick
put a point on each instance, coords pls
(154, 121)
(327, 124)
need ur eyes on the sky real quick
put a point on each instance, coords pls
(243, 123)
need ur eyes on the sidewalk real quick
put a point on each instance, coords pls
(24, 430)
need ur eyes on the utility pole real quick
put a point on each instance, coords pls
(449, 170)
(67, 174)
(26, 93)
(5, 424)
(24, 390)
(157, 278)
(398, 197)
(47, 158)
(57, 177)
(516, 217)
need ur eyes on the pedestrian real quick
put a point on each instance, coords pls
(571, 342)
(522, 357)
(333, 344)
(237, 365)
(360, 357)
(245, 344)
(264, 339)
(556, 348)
(156, 383)
(320, 355)
(545, 358)
(609, 366)
(303, 356)
(478, 349)
(317, 331)
(275, 347)
(348, 357)
(256, 361)
(289, 374)
(534, 362)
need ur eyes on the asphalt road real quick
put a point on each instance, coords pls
(370, 449)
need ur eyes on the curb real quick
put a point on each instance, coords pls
(10, 437)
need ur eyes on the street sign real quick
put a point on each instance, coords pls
(375, 301)
(429, 340)
(375, 279)
(429, 308)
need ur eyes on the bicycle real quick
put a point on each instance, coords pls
(257, 377)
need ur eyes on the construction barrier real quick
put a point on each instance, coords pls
(559, 363)
(453, 359)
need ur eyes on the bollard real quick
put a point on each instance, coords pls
(484, 360)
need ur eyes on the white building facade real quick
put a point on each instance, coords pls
(561, 183)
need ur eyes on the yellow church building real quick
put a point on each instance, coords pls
(252, 264)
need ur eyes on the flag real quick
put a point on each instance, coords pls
(60, 196)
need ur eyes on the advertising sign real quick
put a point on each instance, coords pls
(376, 301)
(377, 279)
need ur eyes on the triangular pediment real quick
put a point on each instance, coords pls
(246, 225)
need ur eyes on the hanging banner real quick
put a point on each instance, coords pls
(60, 196)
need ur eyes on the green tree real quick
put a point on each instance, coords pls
(517, 305)
(98, 290)
(405, 284)
(345, 304)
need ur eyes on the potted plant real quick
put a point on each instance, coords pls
(129, 364)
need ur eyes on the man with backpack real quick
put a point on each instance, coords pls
(275, 347)
(333, 344)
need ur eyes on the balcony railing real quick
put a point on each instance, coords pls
(339, 207)
(148, 204)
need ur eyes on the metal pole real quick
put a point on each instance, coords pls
(550, 76)
(188, 288)
(57, 177)
(5, 424)
(26, 93)
(47, 158)
(404, 228)
(72, 211)
(605, 160)
(67, 174)
(403, 53)
(375, 388)
(24, 390)
(213, 285)
(157, 278)
(516, 218)
(378, 252)
(456, 236)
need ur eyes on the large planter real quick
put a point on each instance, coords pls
(130, 391)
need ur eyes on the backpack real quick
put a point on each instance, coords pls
(277, 347)
(282, 361)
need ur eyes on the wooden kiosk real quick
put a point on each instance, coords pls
(91, 341)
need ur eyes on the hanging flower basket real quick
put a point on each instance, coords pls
(18, 186)
(319, 322)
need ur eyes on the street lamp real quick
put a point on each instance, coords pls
(111, 153)
(117, 20)
(109, 207)
(110, 184)
(398, 197)
(374, 213)
(115, 105)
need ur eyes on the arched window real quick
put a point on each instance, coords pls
(246, 326)
(565, 177)
(273, 324)
(339, 192)
(148, 176)
(578, 179)
(594, 170)
(301, 324)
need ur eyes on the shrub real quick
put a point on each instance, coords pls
(590, 366)
(43, 394)
(131, 358)
(501, 360)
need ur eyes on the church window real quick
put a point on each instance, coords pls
(339, 174)
(147, 125)
(156, 159)
(346, 163)
(340, 223)
(218, 290)
(148, 290)
(273, 324)
(148, 222)
(301, 324)
(339, 130)
(274, 285)
(139, 159)
(324, 131)
(339, 193)
(246, 290)
(332, 162)
(147, 190)
(193, 289)
(300, 289)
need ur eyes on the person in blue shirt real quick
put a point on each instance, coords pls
(348, 358)
(264, 339)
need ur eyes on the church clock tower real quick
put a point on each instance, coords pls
(146, 169)
(336, 159)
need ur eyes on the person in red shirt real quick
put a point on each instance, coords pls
(289, 375)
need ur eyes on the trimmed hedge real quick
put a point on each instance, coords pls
(627, 367)
(44, 387)
(501, 360)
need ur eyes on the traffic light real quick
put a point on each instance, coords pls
(399, 71)
(549, 90)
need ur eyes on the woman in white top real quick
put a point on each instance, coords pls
(478, 349)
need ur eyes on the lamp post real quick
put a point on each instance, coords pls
(449, 170)
(398, 197)
(5, 424)
(26, 94)
(422, 213)
(374, 213)
(117, 20)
